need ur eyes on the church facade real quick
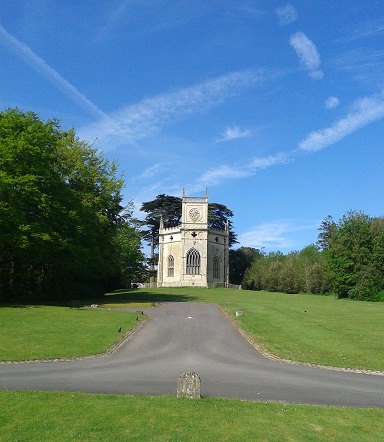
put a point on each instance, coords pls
(193, 254)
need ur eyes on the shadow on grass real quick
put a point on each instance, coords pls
(120, 296)
(145, 296)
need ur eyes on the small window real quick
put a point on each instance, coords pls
(171, 266)
(216, 267)
(193, 262)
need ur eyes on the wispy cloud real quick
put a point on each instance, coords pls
(286, 14)
(37, 63)
(152, 171)
(307, 53)
(365, 111)
(331, 102)
(362, 65)
(223, 172)
(275, 235)
(370, 29)
(135, 122)
(232, 133)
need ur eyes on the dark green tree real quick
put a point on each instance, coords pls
(354, 259)
(239, 260)
(326, 228)
(163, 206)
(60, 212)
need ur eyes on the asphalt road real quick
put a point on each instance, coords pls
(196, 337)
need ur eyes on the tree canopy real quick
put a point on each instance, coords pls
(354, 256)
(60, 212)
(292, 273)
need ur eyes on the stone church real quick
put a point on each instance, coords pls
(193, 254)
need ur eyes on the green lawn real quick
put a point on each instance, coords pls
(58, 416)
(42, 332)
(307, 328)
(313, 329)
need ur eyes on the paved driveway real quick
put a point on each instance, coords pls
(196, 337)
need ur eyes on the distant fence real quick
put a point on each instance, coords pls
(226, 285)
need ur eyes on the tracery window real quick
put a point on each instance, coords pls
(193, 262)
(216, 267)
(171, 266)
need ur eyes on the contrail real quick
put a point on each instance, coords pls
(28, 56)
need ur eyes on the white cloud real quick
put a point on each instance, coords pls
(365, 111)
(37, 63)
(232, 133)
(221, 173)
(331, 102)
(134, 122)
(278, 234)
(307, 53)
(152, 171)
(286, 14)
(316, 75)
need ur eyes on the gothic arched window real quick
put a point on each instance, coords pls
(193, 262)
(216, 267)
(171, 266)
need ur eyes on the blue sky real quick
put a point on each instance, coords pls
(277, 108)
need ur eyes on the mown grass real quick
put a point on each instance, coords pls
(42, 332)
(307, 328)
(44, 416)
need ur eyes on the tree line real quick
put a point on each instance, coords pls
(63, 230)
(348, 261)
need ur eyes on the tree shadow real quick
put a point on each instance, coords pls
(146, 296)
(119, 296)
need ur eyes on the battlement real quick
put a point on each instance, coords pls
(195, 199)
(171, 229)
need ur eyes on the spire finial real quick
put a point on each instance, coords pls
(183, 192)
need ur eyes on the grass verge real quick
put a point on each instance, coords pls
(43, 416)
(32, 332)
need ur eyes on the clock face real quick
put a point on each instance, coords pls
(195, 214)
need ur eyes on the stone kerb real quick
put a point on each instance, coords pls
(188, 386)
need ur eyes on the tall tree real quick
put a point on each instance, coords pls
(60, 210)
(354, 260)
(239, 260)
(163, 206)
(218, 216)
(326, 228)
